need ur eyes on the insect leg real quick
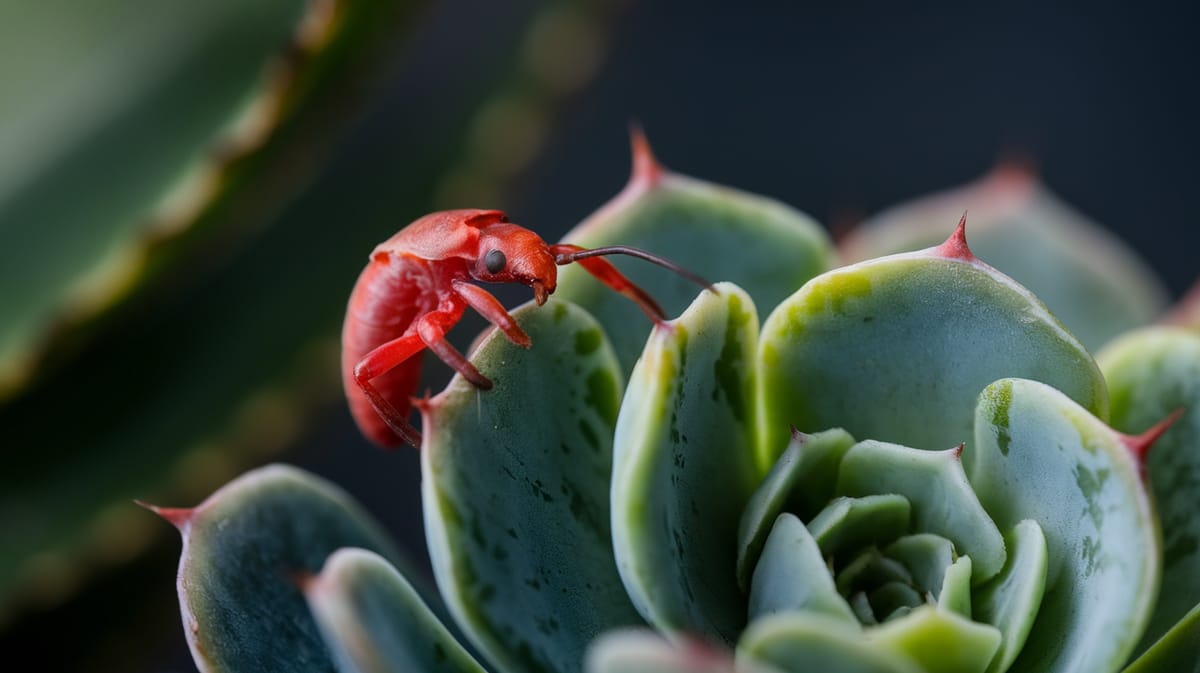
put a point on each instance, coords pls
(432, 329)
(489, 307)
(608, 274)
(381, 361)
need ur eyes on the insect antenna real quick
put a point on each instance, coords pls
(568, 257)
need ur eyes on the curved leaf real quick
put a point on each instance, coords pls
(515, 489)
(897, 349)
(800, 642)
(375, 622)
(1090, 279)
(803, 480)
(938, 640)
(1038, 455)
(245, 550)
(936, 488)
(792, 576)
(763, 246)
(1153, 373)
(1178, 651)
(684, 467)
(1011, 600)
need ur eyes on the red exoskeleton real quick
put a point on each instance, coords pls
(417, 285)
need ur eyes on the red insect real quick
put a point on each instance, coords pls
(415, 288)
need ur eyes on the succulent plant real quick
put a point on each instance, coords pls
(909, 465)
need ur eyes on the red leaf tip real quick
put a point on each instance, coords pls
(1139, 445)
(176, 516)
(958, 450)
(647, 172)
(956, 247)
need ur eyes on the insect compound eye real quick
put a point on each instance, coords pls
(495, 261)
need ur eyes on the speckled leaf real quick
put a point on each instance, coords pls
(1151, 374)
(375, 622)
(762, 245)
(792, 576)
(897, 349)
(646, 652)
(1038, 455)
(936, 487)
(1178, 651)
(516, 494)
(245, 550)
(801, 642)
(803, 480)
(684, 467)
(1091, 280)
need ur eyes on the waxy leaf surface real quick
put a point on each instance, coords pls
(684, 467)
(515, 483)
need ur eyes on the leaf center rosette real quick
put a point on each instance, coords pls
(989, 520)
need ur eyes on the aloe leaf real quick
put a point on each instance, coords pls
(792, 576)
(1038, 455)
(1010, 601)
(939, 641)
(375, 622)
(800, 642)
(188, 99)
(1153, 373)
(936, 488)
(763, 246)
(515, 488)
(197, 386)
(684, 467)
(246, 551)
(803, 480)
(1091, 280)
(897, 349)
(646, 652)
(1178, 651)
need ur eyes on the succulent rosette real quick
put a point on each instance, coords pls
(909, 465)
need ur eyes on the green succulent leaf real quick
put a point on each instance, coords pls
(802, 642)
(762, 245)
(934, 484)
(792, 576)
(939, 641)
(802, 481)
(375, 622)
(245, 552)
(1091, 280)
(646, 652)
(847, 525)
(955, 594)
(516, 493)
(1178, 651)
(1040, 456)
(1010, 601)
(926, 556)
(1151, 374)
(896, 349)
(684, 467)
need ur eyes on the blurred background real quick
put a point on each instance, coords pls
(187, 193)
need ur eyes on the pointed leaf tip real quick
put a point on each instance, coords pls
(956, 247)
(647, 172)
(176, 516)
(1139, 445)
(958, 450)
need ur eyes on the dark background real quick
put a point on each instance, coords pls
(835, 108)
